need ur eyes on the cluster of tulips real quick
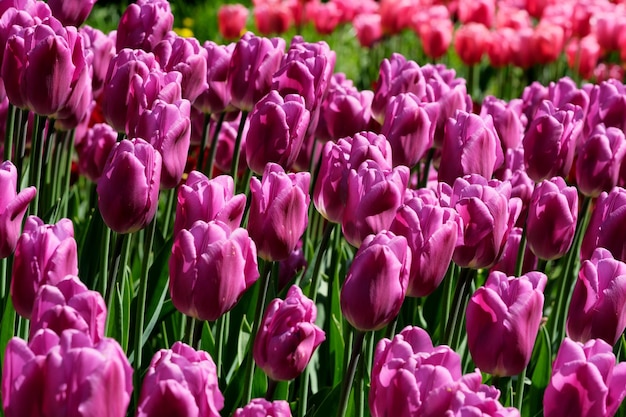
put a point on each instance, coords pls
(466, 258)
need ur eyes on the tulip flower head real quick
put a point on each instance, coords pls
(13, 206)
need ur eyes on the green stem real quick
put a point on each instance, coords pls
(3, 281)
(459, 302)
(105, 246)
(318, 261)
(519, 263)
(36, 158)
(213, 150)
(348, 379)
(8, 133)
(237, 149)
(68, 172)
(271, 389)
(429, 158)
(519, 392)
(222, 324)
(203, 141)
(169, 209)
(122, 246)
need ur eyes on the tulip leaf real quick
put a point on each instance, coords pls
(325, 402)
(7, 326)
(542, 358)
(158, 288)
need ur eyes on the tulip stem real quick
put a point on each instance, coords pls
(8, 134)
(203, 141)
(237, 150)
(36, 159)
(271, 389)
(213, 150)
(104, 252)
(219, 341)
(519, 392)
(459, 303)
(423, 182)
(519, 263)
(357, 347)
(318, 260)
(68, 171)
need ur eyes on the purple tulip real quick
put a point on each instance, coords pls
(216, 98)
(202, 199)
(226, 144)
(331, 187)
(470, 146)
(144, 24)
(210, 268)
(71, 12)
(508, 261)
(599, 159)
(93, 150)
(260, 407)
(514, 171)
(276, 132)
(13, 206)
(44, 254)
(102, 47)
(278, 211)
(289, 268)
(432, 233)
(377, 281)
(180, 382)
(409, 127)
(565, 91)
(61, 376)
(585, 381)
(550, 142)
(69, 305)
(252, 65)
(532, 97)
(552, 218)
(502, 322)
(607, 225)
(488, 213)
(287, 336)
(128, 190)
(607, 104)
(508, 120)
(598, 306)
(374, 195)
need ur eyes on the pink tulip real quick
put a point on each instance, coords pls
(261, 407)
(144, 24)
(368, 29)
(13, 206)
(606, 226)
(72, 12)
(216, 98)
(231, 20)
(93, 150)
(102, 48)
(470, 42)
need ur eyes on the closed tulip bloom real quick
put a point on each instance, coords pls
(470, 146)
(552, 215)
(409, 127)
(598, 306)
(128, 190)
(260, 407)
(583, 55)
(60, 376)
(144, 24)
(599, 159)
(180, 382)
(565, 90)
(210, 268)
(167, 127)
(69, 305)
(94, 148)
(508, 262)
(585, 381)
(276, 132)
(13, 206)
(548, 41)
(102, 47)
(500, 46)
(432, 233)
(607, 225)
(231, 20)
(377, 281)
(368, 29)
(72, 12)
(44, 254)
(550, 141)
(202, 199)
(278, 211)
(508, 120)
(482, 11)
(471, 42)
(272, 18)
(252, 65)
(502, 321)
(287, 336)
(607, 103)
(216, 98)
(436, 36)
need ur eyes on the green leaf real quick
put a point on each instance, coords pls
(7, 327)
(158, 288)
(542, 360)
(324, 403)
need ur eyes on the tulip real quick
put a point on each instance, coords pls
(607, 103)
(231, 20)
(180, 382)
(550, 141)
(436, 36)
(289, 268)
(128, 190)
(471, 42)
(502, 322)
(552, 215)
(585, 381)
(44, 254)
(276, 132)
(272, 18)
(500, 45)
(325, 16)
(226, 144)
(564, 91)
(144, 24)
(533, 97)
(59, 376)
(606, 226)
(102, 48)
(508, 262)
(522, 55)
(377, 281)
(278, 211)
(261, 407)
(216, 98)
(583, 55)
(368, 29)
(13, 206)
(202, 199)
(470, 146)
(287, 336)
(598, 306)
(508, 120)
(69, 305)
(210, 268)
(432, 233)
(252, 65)
(93, 150)
(72, 12)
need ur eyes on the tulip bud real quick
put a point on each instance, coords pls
(278, 211)
(231, 20)
(71, 12)
(216, 98)
(144, 24)
(606, 227)
(93, 150)
(180, 382)
(44, 254)
(368, 29)
(502, 322)
(287, 336)
(377, 280)
(261, 407)
(128, 190)
(607, 103)
(102, 48)
(471, 42)
(13, 206)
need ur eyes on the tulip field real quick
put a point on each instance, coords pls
(393, 208)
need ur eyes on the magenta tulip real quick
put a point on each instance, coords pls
(13, 206)
(44, 254)
(607, 225)
(72, 12)
(93, 150)
(377, 281)
(144, 24)
(216, 98)
(180, 382)
(502, 322)
(508, 120)
(508, 262)
(287, 336)
(102, 48)
(259, 407)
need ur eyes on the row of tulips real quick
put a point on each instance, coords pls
(465, 229)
